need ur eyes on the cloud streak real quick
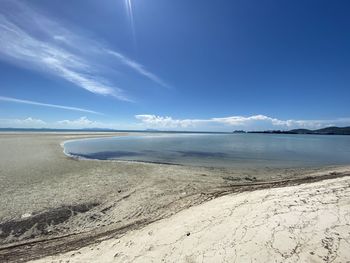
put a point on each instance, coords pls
(34, 41)
(22, 48)
(138, 68)
(9, 99)
(255, 122)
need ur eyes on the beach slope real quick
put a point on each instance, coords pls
(304, 223)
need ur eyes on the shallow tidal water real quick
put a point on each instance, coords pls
(219, 150)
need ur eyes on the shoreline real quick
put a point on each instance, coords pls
(107, 198)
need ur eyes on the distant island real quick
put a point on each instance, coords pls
(239, 131)
(323, 131)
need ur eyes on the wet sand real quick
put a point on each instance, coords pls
(50, 203)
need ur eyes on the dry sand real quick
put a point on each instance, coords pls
(305, 223)
(50, 203)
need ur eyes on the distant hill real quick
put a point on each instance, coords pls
(239, 131)
(328, 130)
(323, 131)
(301, 131)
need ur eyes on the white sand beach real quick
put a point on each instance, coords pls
(305, 223)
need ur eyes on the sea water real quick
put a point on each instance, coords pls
(219, 150)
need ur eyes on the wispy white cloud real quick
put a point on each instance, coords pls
(168, 122)
(9, 99)
(255, 122)
(20, 47)
(22, 123)
(82, 122)
(35, 41)
(138, 68)
(31, 122)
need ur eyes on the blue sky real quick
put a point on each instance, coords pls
(174, 65)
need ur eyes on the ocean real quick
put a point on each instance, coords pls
(219, 150)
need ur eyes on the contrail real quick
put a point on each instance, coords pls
(9, 99)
